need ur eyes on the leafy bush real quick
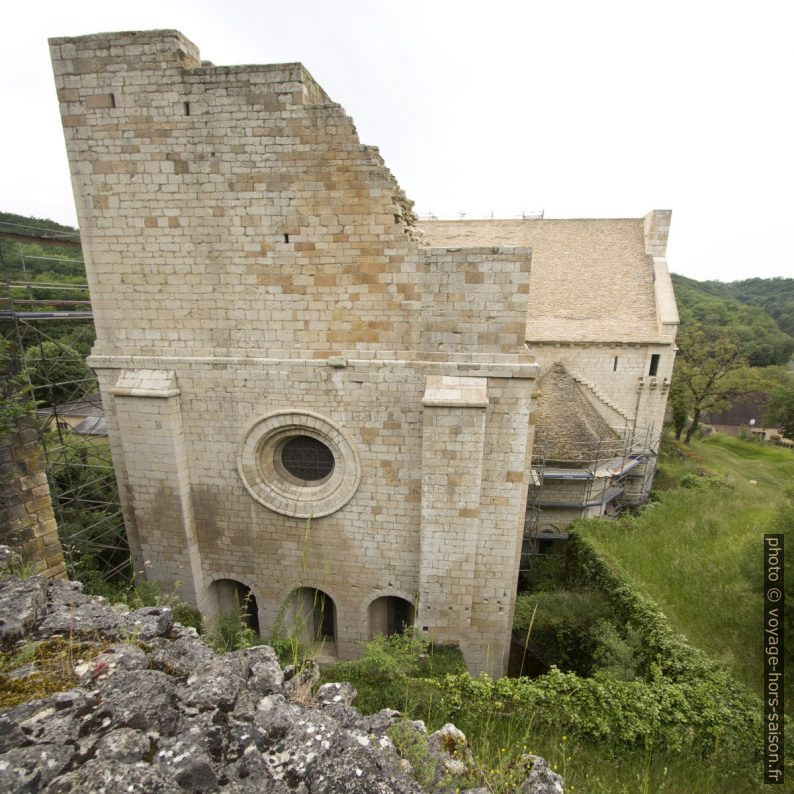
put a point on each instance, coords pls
(696, 700)
(704, 480)
(390, 671)
(16, 403)
(569, 630)
(680, 704)
(546, 572)
(230, 632)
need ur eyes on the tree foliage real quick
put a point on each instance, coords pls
(58, 373)
(774, 295)
(780, 409)
(758, 338)
(710, 370)
(15, 399)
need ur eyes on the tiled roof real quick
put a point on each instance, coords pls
(591, 279)
(568, 427)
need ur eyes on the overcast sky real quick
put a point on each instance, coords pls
(581, 109)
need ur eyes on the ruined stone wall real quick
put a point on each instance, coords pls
(254, 273)
(27, 521)
(258, 222)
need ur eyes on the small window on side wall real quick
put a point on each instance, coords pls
(615, 364)
(654, 368)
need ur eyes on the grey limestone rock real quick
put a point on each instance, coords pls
(335, 699)
(32, 768)
(99, 776)
(63, 592)
(329, 694)
(141, 699)
(216, 683)
(10, 734)
(56, 719)
(10, 561)
(181, 656)
(266, 676)
(124, 656)
(251, 773)
(186, 761)
(542, 780)
(123, 744)
(87, 619)
(379, 722)
(158, 712)
(147, 623)
(448, 745)
(358, 764)
(23, 602)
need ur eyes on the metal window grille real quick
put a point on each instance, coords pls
(307, 458)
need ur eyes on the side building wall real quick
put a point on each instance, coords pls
(626, 395)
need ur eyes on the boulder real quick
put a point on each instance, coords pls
(156, 711)
(23, 603)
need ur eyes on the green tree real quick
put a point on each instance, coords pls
(780, 409)
(757, 335)
(710, 370)
(679, 407)
(15, 400)
(58, 373)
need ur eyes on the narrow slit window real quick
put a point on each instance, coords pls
(654, 368)
(187, 108)
(615, 364)
(112, 100)
(286, 238)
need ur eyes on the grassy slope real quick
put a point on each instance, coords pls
(693, 550)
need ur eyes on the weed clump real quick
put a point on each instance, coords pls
(39, 669)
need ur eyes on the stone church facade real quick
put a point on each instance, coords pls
(312, 406)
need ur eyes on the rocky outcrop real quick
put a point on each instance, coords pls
(151, 708)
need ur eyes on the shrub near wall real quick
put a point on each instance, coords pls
(695, 697)
(681, 702)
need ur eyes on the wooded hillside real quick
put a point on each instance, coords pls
(759, 334)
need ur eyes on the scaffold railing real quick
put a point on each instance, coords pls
(52, 334)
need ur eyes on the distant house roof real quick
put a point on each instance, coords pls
(92, 426)
(567, 426)
(90, 405)
(744, 408)
(591, 279)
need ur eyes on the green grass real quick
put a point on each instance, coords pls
(428, 684)
(697, 551)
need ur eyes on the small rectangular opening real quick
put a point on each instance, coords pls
(286, 238)
(615, 365)
(654, 368)
(187, 108)
(112, 100)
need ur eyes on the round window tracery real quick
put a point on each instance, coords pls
(306, 459)
(299, 463)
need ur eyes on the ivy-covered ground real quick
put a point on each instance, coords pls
(697, 550)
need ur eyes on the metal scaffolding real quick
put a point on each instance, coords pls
(51, 334)
(603, 467)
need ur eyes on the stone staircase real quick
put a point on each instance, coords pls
(614, 415)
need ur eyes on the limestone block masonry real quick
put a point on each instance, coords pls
(298, 393)
(27, 520)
